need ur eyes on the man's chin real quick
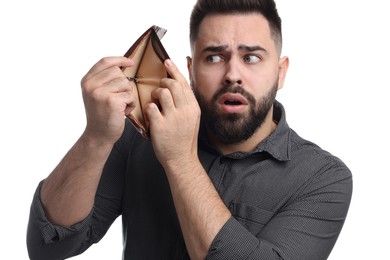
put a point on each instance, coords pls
(232, 118)
(230, 130)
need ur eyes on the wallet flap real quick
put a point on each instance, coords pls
(148, 55)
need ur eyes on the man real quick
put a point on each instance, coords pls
(223, 176)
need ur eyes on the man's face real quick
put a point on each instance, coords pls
(235, 72)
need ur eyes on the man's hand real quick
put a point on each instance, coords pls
(68, 193)
(108, 98)
(174, 129)
(174, 133)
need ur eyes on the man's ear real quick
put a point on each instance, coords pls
(189, 67)
(283, 67)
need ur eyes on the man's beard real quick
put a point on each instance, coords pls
(235, 128)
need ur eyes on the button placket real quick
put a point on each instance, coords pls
(217, 172)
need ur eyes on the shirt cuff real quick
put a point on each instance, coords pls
(53, 233)
(232, 242)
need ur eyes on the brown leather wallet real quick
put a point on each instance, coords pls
(148, 55)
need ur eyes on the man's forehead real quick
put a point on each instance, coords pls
(234, 31)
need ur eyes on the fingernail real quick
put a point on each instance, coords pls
(169, 62)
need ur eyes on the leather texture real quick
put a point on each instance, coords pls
(148, 55)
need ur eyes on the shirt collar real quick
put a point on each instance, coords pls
(277, 144)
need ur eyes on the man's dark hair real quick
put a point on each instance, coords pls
(267, 8)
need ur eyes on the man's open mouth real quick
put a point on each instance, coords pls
(232, 102)
(233, 99)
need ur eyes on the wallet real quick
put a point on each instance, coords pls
(148, 55)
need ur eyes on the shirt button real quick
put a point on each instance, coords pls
(222, 160)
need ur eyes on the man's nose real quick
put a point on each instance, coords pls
(232, 75)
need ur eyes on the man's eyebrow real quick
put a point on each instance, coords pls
(220, 48)
(251, 48)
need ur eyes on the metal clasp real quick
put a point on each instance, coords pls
(135, 79)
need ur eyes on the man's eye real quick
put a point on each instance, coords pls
(252, 59)
(214, 58)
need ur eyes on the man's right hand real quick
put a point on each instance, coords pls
(108, 98)
(68, 193)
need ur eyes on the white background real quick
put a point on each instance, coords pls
(335, 95)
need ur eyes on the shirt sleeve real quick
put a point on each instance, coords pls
(51, 242)
(48, 241)
(306, 228)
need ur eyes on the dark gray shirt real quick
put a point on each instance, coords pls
(289, 200)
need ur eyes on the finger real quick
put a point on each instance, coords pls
(176, 89)
(163, 98)
(111, 78)
(181, 91)
(120, 85)
(153, 115)
(108, 62)
(174, 71)
(128, 100)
